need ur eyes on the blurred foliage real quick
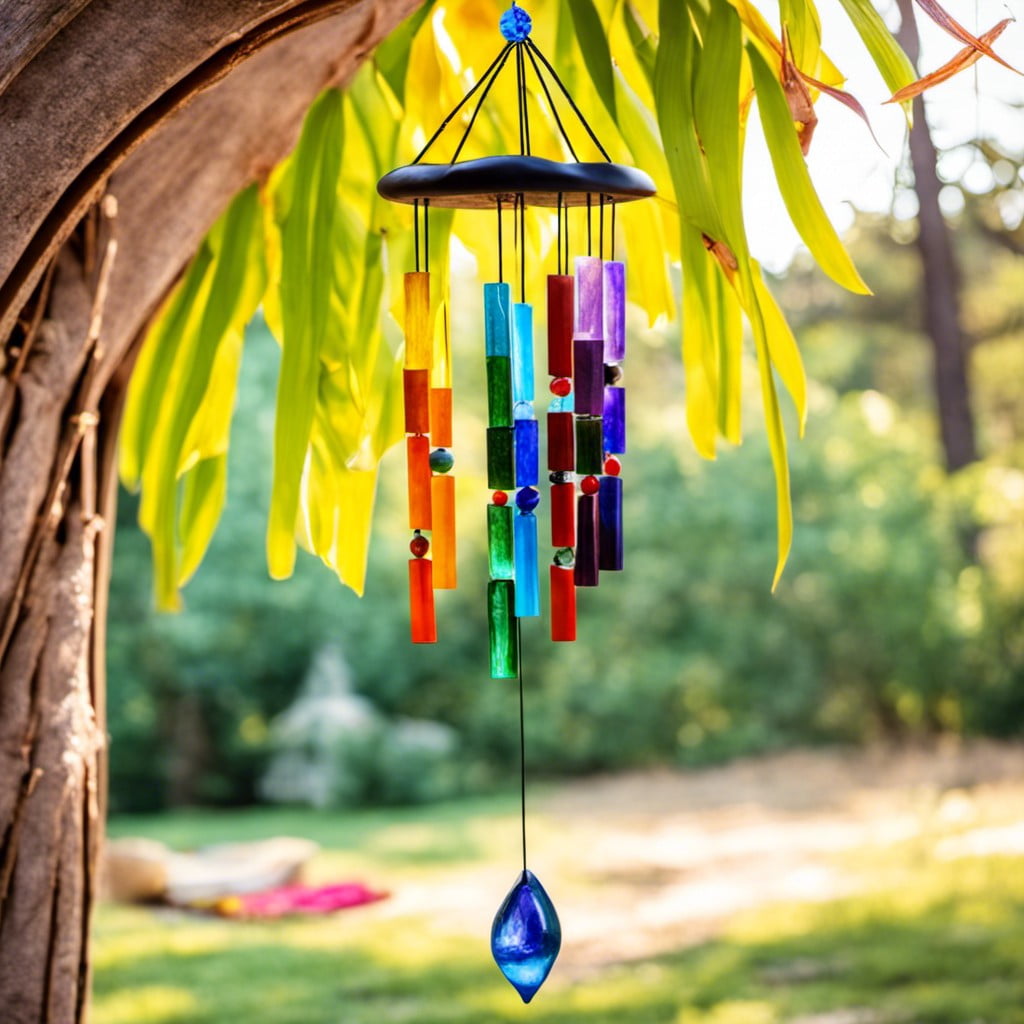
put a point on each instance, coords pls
(885, 627)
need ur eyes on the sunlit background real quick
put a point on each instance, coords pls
(749, 808)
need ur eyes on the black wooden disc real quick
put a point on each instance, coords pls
(479, 184)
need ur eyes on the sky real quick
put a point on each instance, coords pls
(848, 169)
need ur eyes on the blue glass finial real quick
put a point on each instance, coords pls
(515, 24)
(526, 936)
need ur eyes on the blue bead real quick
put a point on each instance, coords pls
(441, 460)
(527, 499)
(515, 24)
(526, 936)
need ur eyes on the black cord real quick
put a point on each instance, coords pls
(551, 104)
(480, 102)
(525, 100)
(522, 742)
(501, 255)
(572, 103)
(613, 228)
(444, 124)
(426, 234)
(519, 98)
(522, 247)
(559, 233)
(416, 231)
(590, 230)
(600, 244)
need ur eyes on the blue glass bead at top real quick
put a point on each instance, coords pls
(515, 24)
(527, 499)
(441, 460)
(526, 936)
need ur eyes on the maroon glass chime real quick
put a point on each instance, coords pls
(586, 414)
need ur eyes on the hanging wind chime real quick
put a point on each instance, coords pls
(586, 424)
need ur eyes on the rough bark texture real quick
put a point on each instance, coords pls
(166, 109)
(942, 319)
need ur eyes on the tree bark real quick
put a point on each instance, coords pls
(942, 320)
(163, 111)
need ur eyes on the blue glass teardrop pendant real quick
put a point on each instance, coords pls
(526, 935)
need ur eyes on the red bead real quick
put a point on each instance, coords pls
(419, 545)
(561, 386)
(612, 466)
(499, 498)
(590, 485)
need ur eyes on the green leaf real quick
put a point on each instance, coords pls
(644, 43)
(204, 489)
(307, 257)
(893, 64)
(593, 44)
(392, 55)
(805, 209)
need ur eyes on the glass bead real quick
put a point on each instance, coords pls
(588, 376)
(527, 582)
(419, 545)
(500, 557)
(562, 403)
(441, 460)
(515, 24)
(589, 445)
(609, 502)
(563, 477)
(502, 629)
(612, 374)
(614, 311)
(527, 442)
(587, 542)
(561, 386)
(563, 603)
(590, 485)
(499, 498)
(527, 499)
(565, 557)
(612, 466)
(589, 299)
(523, 383)
(560, 324)
(526, 936)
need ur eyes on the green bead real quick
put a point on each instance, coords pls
(500, 553)
(441, 460)
(565, 557)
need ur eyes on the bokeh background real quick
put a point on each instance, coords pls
(750, 807)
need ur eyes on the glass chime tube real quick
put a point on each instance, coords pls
(419, 360)
(442, 484)
(527, 459)
(562, 456)
(614, 417)
(502, 626)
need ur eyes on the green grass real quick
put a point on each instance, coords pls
(927, 942)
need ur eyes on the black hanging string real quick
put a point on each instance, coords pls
(614, 204)
(600, 244)
(522, 247)
(426, 234)
(567, 239)
(590, 230)
(501, 255)
(416, 231)
(524, 97)
(559, 233)
(565, 92)
(499, 60)
(522, 742)
(551, 104)
(503, 56)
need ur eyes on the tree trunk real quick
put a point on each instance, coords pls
(166, 109)
(942, 320)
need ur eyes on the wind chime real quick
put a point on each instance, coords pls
(586, 417)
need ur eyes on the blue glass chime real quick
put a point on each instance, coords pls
(586, 418)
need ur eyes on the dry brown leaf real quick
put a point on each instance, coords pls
(798, 96)
(964, 59)
(847, 99)
(946, 21)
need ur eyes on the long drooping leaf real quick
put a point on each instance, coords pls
(948, 23)
(961, 61)
(805, 209)
(189, 378)
(305, 293)
(889, 58)
(594, 45)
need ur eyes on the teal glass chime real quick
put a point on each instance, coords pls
(586, 413)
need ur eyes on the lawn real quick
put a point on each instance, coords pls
(917, 937)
